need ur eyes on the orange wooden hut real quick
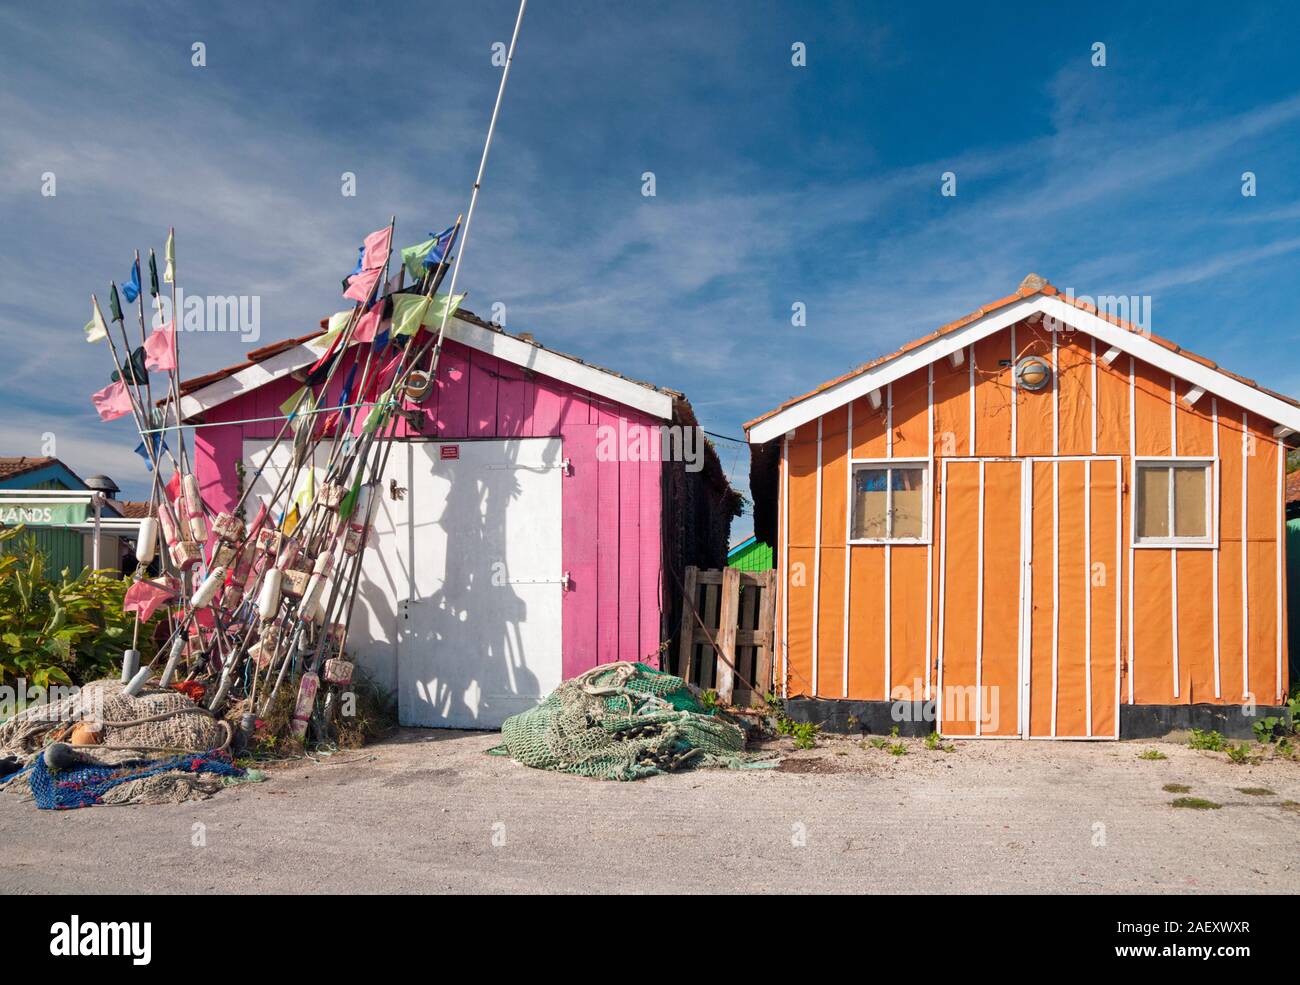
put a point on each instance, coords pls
(1039, 521)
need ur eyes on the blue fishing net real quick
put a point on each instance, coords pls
(86, 786)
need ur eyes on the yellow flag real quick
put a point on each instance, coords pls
(169, 274)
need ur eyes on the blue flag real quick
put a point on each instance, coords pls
(345, 397)
(159, 446)
(441, 247)
(131, 289)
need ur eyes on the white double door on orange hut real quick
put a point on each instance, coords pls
(1030, 559)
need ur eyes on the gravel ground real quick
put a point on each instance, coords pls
(427, 811)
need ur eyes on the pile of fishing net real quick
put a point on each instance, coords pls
(624, 721)
(109, 730)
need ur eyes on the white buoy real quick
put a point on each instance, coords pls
(315, 585)
(146, 541)
(268, 601)
(194, 508)
(130, 664)
(172, 660)
(208, 590)
(137, 682)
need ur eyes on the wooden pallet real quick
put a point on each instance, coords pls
(738, 609)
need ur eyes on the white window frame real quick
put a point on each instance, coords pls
(1211, 540)
(878, 464)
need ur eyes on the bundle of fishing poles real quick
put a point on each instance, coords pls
(255, 606)
(260, 603)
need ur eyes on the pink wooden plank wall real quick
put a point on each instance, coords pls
(611, 509)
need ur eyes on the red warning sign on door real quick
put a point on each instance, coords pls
(449, 451)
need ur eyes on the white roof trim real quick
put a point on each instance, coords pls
(1134, 343)
(566, 369)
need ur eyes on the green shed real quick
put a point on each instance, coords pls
(751, 554)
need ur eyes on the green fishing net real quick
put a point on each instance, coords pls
(623, 721)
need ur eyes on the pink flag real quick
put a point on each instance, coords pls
(112, 402)
(368, 324)
(360, 286)
(145, 597)
(377, 248)
(158, 348)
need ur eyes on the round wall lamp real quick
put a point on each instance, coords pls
(1033, 373)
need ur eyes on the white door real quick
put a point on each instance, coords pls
(479, 633)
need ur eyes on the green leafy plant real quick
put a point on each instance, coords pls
(1256, 791)
(805, 734)
(897, 749)
(932, 741)
(1212, 741)
(878, 742)
(60, 629)
(1152, 754)
(709, 699)
(1242, 754)
(1176, 788)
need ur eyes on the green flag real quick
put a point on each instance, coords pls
(410, 311)
(349, 501)
(153, 274)
(114, 305)
(413, 257)
(96, 330)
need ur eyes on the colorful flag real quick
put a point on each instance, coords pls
(159, 446)
(153, 274)
(131, 289)
(159, 348)
(145, 597)
(134, 369)
(375, 251)
(338, 321)
(114, 305)
(413, 257)
(169, 254)
(96, 330)
(303, 408)
(362, 285)
(410, 311)
(368, 325)
(112, 402)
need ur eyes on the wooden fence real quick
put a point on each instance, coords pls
(737, 609)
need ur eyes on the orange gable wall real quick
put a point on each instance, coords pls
(880, 605)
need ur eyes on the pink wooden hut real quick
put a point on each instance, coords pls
(530, 526)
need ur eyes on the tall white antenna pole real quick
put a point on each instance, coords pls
(473, 197)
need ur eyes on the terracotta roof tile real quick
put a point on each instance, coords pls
(11, 467)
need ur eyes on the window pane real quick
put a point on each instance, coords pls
(1153, 501)
(909, 502)
(869, 503)
(1189, 500)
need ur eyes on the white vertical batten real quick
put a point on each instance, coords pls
(1132, 476)
(970, 363)
(817, 565)
(1245, 593)
(929, 546)
(1119, 578)
(1087, 588)
(1056, 397)
(785, 564)
(979, 611)
(1173, 551)
(1278, 552)
(848, 535)
(1093, 339)
(1015, 392)
(943, 572)
(1215, 555)
(889, 532)
(1056, 583)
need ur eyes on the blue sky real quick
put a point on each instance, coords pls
(774, 183)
